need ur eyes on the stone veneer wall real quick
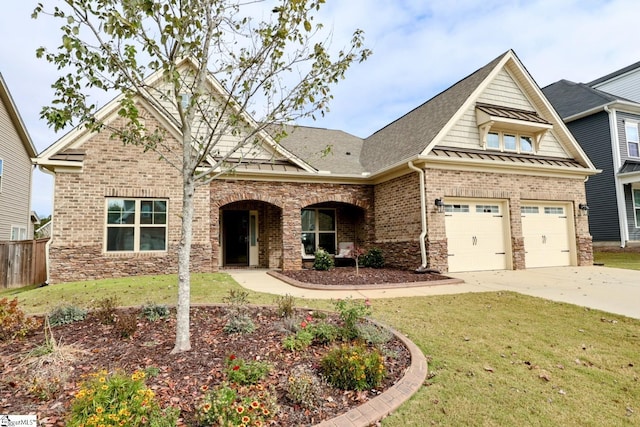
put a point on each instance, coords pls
(286, 199)
(113, 170)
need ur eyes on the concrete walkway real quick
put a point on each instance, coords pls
(608, 289)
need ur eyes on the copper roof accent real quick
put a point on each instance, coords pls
(69, 155)
(511, 113)
(497, 156)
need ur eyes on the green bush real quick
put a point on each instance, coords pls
(373, 334)
(373, 258)
(66, 314)
(353, 367)
(323, 261)
(13, 322)
(239, 324)
(118, 399)
(351, 313)
(154, 312)
(324, 332)
(304, 388)
(245, 373)
(227, 406)
(299, 341)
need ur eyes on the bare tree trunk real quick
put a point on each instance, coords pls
(183, 336)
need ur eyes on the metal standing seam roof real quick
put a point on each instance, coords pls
(630, 166)
(511, 113)
(69, 155)
(507, 158)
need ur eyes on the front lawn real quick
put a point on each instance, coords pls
(618, 259)
(496, 358)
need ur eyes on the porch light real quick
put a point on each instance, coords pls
(584, 209)
(439, 204)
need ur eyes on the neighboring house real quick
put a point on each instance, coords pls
(16, 151)
(484, 176)
(603, 116)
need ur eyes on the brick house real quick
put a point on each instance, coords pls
(485, 175)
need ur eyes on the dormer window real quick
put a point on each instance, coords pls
(510, 129)
(509, 141)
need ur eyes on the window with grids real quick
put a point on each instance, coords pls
(136, 225)
(633, 140)
(319, 230)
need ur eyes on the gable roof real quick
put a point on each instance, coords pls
(410, 135)
(574, 100)
(67, 151)
(16, 119)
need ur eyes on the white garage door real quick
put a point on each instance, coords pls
(547, 234)
(477, 235)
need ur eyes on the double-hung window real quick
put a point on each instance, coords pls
(319, 230)
(18, 233)
(136, 225)
(633, 140)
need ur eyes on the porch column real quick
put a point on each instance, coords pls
(291, 238)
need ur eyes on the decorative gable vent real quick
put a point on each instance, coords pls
(494, 117)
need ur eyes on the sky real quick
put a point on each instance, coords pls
(420, 48)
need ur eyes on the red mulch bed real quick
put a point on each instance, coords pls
(364, 276)
(180, 376)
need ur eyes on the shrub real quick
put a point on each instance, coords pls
(227, 406)
(154, 312)
(324, 333)
(373, 258)
(352, 312)
(304, 388)
(126, 325)
(105, 309)
(239, 324)
(245, 373)
(66, 314)
(373, 334)
(238, 300)
(299, 341)
(13, 322)
(118, 399)
(286, 304)
(323, 261)
(353, 367)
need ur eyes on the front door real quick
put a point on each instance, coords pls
(236, 237)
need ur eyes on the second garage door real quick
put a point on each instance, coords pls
(477, 235)
(547, 234)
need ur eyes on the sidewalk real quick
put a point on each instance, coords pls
(609, 289)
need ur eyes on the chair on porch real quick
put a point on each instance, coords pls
(345, 253)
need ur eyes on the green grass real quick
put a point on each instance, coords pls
(619, 259)
(495, 359)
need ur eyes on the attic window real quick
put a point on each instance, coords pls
(510, 129)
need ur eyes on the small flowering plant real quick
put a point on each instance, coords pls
(230, 405)
(244, 372)
(118, 400)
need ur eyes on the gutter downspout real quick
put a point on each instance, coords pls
(423, 215)
(48, 244)
(619, 188)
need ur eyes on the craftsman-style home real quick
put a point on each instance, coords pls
(483, 176)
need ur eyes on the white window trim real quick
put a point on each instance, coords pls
(633, 201)
(22, 231)
(317, 230)
(136, 226)
(637, 143)
(518, 136)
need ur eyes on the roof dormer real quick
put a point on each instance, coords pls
(501, 120)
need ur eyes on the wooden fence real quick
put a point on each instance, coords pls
(23, 263)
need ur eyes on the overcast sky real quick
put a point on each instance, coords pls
(420, 47)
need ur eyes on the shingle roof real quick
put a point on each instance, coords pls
(411, 134)
(569, 98)
(614, 74)
(309, 144)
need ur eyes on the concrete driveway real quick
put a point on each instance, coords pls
(609, 289)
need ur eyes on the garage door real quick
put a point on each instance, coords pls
(547, 234)
(477, 235)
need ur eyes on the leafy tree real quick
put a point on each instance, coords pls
(218, 69)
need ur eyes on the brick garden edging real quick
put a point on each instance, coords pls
(380, 406)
